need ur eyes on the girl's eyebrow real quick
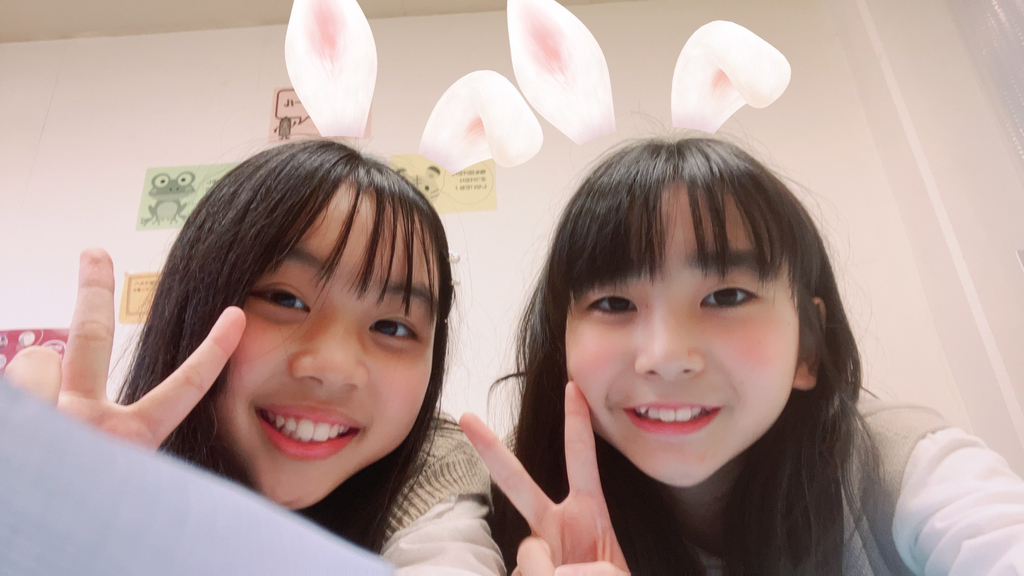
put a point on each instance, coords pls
(742, 259)
(418, 292)
(301, 256)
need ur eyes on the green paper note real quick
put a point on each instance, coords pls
(170, 193)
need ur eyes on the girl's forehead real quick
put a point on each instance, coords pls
(381, 233)
(680, 230)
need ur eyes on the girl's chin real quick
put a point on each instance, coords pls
(677, 475)
(293, 499)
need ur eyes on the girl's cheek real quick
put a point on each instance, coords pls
(591, 352)
(760, 346)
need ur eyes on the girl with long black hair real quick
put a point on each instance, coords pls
(328, 403)
(689, 302)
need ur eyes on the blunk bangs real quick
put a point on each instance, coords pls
(396, 231)
(395, 227)
(607, 236)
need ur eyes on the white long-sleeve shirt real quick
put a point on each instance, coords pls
(452, 538)
(960, 511)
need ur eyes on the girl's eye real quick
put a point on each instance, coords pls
(613, 305)
(727, 298)
(284, 299)
(393, 328)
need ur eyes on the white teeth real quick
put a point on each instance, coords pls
(667, 414)
(321, 431)
(304, 432)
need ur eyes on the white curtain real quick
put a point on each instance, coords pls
(994, 33)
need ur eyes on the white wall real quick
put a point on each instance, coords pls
(93, 114)
(957, 183)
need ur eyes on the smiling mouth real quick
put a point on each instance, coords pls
(305, 430)
(672, 421)
(670, 415)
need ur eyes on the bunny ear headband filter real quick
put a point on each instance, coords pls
(560, 69)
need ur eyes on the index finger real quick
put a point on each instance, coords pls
(165, 406)
(91, 336)
(508, 472)
(580, 451)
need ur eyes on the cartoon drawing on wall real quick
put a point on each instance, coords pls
(469, 190)
(289, 118)
(171, 193)
(11, 341)
(429, 182)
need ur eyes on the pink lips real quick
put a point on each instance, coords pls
(672, 428)
(307, 450)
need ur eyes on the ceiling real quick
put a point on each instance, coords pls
(28, 20)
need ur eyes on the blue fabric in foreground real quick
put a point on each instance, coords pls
(76, 501)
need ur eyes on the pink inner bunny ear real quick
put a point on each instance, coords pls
(561, 69)
(481, 116)
(722, 67)
(332, 62)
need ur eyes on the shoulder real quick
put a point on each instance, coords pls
(451, 538)
(898, 421)
(449, 468)
(895, 429)
(960, 508)
(891, 433)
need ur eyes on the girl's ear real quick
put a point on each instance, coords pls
(332, 62)
(561, 69)
(723, 67)
(807, 372)
(481, 116)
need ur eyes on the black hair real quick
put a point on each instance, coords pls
(784, 513)
(244, 228)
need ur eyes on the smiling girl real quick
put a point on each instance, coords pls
(689, 300)
(329, 402)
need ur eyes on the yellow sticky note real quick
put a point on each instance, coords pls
(137, 296)
(469, 190)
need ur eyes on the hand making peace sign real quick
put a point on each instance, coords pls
(80, 385)
(575, 536)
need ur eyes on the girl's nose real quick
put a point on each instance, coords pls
(330, 356)
(669, 349)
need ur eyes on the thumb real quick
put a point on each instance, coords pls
(37, 371)
(534, 558)
(590, 569)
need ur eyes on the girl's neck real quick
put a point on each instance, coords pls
(703, 508)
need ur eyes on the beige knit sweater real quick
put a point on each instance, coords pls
(896, 430)
(450, 467)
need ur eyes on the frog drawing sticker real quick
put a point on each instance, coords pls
(169, 194)
(289, 119)
(468, 190)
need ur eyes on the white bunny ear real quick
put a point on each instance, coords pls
(722, 67)
(561, 69)
(481, 116)
(332, 62)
